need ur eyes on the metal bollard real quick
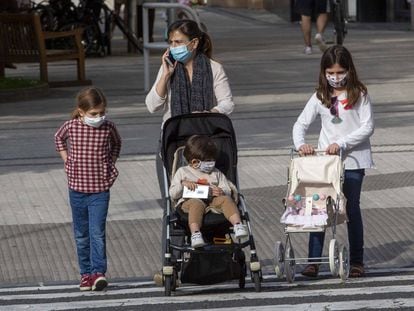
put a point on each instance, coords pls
(158, 45)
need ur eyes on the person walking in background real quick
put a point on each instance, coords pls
(94, 146)
(307, 9)
(344, 107)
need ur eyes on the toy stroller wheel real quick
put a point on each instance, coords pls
(343, 263)
(334, 257)
(290, 264)
(167, 285)
(279, 259)
(256, 280)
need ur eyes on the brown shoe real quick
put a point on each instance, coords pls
(311, 270)
(356, 271)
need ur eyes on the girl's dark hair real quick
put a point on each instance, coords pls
(200, 147)
(191, 30)
(338, 54)
(88, 98)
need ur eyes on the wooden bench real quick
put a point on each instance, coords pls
(23, 41)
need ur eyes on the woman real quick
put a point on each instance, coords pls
(193, 82)
(188, 81)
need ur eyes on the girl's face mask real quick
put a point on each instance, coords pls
(337, 81)
(94, 122)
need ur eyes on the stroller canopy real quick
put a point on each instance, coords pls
(218, 126)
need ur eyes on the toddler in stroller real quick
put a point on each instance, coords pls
(207, 189)
(206, 226)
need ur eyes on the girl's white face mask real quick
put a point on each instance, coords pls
(337, 80)
(94, 122)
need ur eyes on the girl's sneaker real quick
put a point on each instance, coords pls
(98, 281)
(240, 231)
(197, 240)
(86, 283)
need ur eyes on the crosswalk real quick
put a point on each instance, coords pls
(380, 289)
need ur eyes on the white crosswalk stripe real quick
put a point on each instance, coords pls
(376, 292)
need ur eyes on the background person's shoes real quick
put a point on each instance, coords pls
(321, 42)
(307, 50)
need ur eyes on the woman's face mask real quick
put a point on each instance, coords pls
(181, 53)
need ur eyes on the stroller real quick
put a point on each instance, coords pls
(314, 202)
(223, 258)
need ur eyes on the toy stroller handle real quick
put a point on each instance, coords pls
(317, 152)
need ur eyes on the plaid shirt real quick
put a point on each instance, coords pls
(89, 166)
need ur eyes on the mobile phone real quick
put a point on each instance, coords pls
(170, 60)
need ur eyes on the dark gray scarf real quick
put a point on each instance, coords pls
(187, 97)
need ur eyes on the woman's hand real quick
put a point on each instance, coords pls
(189, 184)
(167, 69)
(306, 149)
(333, 149)
(216, 191)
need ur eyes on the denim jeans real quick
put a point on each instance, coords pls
(89, 211)
(352, 191)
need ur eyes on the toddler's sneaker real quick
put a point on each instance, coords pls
(86, 283)
(321, 42)
(98, 281)
(307, 50)
(197, 240)
(240, 231)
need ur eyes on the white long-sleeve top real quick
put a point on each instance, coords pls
(222, 93)
(216, 177)
(352, 134)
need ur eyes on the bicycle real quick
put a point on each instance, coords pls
(339, 18)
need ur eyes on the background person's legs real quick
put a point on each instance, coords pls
(306, 25)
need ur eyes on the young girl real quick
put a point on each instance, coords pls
(200, 153)
(94, 146)
(343, 104)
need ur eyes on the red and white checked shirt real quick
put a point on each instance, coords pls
(89, 166)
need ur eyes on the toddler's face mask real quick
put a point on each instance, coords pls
(207, 166)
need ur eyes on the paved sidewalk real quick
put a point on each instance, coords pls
(271, 80)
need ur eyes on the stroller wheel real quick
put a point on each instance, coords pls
(279, 259)
(343, 263)
(290, 264)
(167, 285)
(242, 279)
(256, 280)
(334, 257)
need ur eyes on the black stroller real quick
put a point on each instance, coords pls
(223, 258)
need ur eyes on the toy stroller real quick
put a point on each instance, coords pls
(314, 202)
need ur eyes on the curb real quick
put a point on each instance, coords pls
(22, 94)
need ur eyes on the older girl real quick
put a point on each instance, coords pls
(343, 104)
